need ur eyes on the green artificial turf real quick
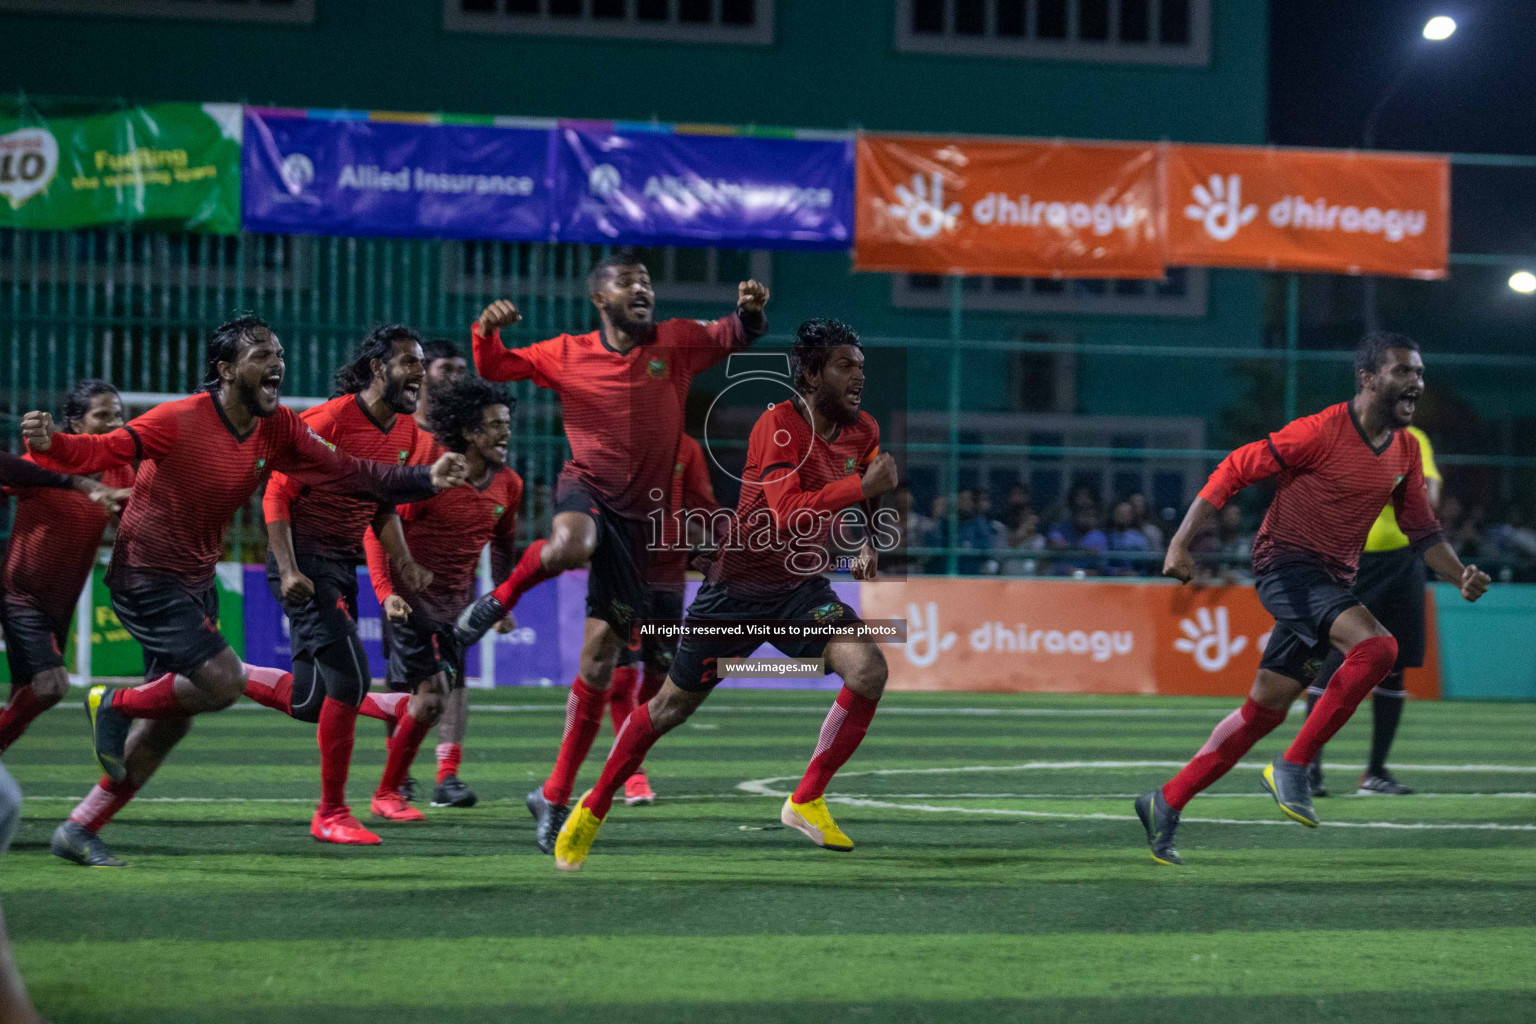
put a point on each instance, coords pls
(999, 875)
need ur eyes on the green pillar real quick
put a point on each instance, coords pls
(1292, 337)
(956, 321)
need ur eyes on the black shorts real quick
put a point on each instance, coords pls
(34, 643)
(331, 614)
(420, 648)
(618, 591)
(1391, 586)
(392, 682)
(1305, 600)
(178, 628)
(811, 601)
(666, 605)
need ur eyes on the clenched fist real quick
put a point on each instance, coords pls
(37, 428)
(880, 477)
(751, 296)
(499, 314)
(450, 470)
(396, 609)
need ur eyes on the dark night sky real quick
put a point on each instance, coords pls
(1473, 93)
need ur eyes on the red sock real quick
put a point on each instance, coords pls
(271, 687)
(338, 724)
(18, 714)
(621, 695)
(528, 573)
(841, 734)
(583, 717)
(152, 700)
(1233, 737)
(104, 800)
(635, 738)
(386, 707)
(448, 755)
(650, 686)
(1366, 665)
(402, 751)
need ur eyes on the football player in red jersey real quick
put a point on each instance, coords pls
(446, 535)
(692, 491)
(200, 459)
(53, 547)
(807, 460)
(622, 390)
(1337, 470)
(315, 544)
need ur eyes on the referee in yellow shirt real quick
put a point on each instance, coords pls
(1391, 586)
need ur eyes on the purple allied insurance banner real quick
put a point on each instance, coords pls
(628, 185)
(356, 173)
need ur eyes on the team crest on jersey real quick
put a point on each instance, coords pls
(329, 444)
(657, 368)
(403, 454)
(848, 465)
(261, 464)
(827, 612)
(500, 510)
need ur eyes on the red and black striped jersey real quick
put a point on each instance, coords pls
(328, 522)
(793, 485)
(195, 472)
(53, 545)
(446, 534)
(1333, 484)
(623, 411)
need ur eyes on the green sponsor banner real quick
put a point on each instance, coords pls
(171, 163)
(116, 654)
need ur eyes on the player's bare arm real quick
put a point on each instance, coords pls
(391, 534)
(1179, 564)
(297, 588)
(1469, 579)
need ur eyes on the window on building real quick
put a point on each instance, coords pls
(747, 22)
(298, 11)
(1180, 294)
(1123, 31)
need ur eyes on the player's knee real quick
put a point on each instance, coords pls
(427, 706)
(1378, 652)
(1274, 691)
(48, 688)
(569, 548)
(671, 708)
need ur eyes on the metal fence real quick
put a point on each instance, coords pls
(134, 307)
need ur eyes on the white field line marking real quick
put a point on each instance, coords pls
(790, 709)
(765, 787)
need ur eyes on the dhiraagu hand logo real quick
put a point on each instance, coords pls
(922, 206)
(1219, 207)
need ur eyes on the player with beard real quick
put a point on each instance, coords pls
(807, 461)
(200, 460)
(1337, 470)
(445, 364)
(446, 534)
(315, 544)
(622, 390)
(53, 546)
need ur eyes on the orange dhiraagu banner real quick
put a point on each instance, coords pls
(1029, 209)
(1062, 636)
(1337, 212)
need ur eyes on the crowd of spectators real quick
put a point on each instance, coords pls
(1083, 535)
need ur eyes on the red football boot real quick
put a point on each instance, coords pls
(392, 807)
(341, 827)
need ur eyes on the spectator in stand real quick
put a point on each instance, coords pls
(975, 532)
(1144, 523)
(1460, 531)
(1123, 535)
(1018, 503)
(1224, 554)
(1512, 539)
(1083, 538)
(935, 526)
(1025, 543)
(908, 533)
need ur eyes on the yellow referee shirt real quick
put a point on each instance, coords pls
(1385, 536)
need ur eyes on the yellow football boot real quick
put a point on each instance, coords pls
(575, 839)
(815, 821)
